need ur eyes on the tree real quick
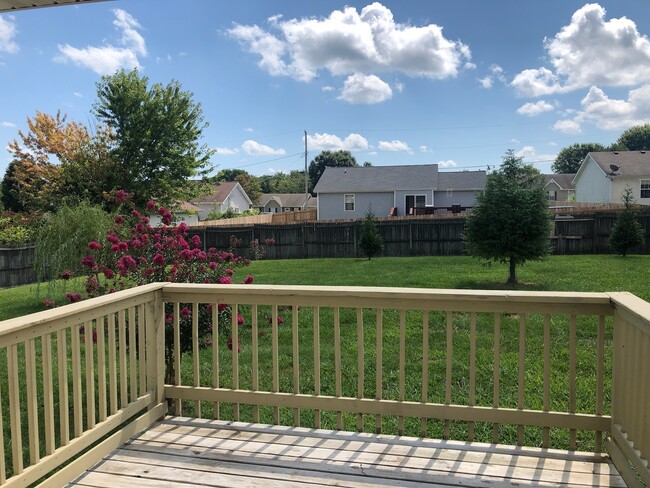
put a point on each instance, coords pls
(292, 182)
(157, 131)
(10, 189)
(510, 222)
(570, 158)
(627, 232)
(370, 241)
(635, 138)
(337, 159)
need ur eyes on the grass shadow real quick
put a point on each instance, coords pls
(492, 285)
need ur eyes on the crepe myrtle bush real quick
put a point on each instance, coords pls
(134, 253)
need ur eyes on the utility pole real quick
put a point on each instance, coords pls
(306, 175)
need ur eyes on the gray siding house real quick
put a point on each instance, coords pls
(225, 196)
(348, 193)
(560, 187)
(604, 176)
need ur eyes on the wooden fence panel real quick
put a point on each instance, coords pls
(16, 265)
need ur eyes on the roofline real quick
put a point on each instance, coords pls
(583, 164)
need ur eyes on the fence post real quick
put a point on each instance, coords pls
(155, 348)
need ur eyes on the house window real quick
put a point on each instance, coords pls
(645, 188)
(349, 202)
(415, 201)
(552, 195)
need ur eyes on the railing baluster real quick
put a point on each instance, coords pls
(3, 467)
(522, 374)
(496, 374)
(75, 346)
(546, 434)
(101, 367)
(316, 324)
(32, 401)
(90, 374)
(472, 371)
(14, 409)
(177, 355)
(379, 366)
(600, 367)
(133, 367)
(360, 365)
(142, 364)
(48, 395)
(195, 355)
(425, 368)
(402, 367)
(276, 367)
(215, 356)
(235, 356)
(296, 362)
(124, 399)
(255, 360)
(112, 364)
(572, 377)
(62, 356)
(337, 363)
(448, 370)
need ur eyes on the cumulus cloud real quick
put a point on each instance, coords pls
(330, 142)
(106, 59)
(530, 155)
(534, 109)
(394, 146)
(253, 148)
(7, 124)
(226, 151)
(328, 88)
(7, 34)
(589, 51)
(349, 42)
(367, 89)
(425, 149)
(495, 74)
(449, 163)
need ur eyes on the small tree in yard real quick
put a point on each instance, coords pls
(510, 222)
(370, 241)
(627, 232)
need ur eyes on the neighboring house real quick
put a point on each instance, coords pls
(185, 212)
(229, 195)
(603, 176)
(348, 193)
(560, 187)
(284, 202)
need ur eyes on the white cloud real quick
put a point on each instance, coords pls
(425, 149)
(486, 82)
(399, 87)
(359, 88)
(7, 124)
(253, 148)
(395, 146)
(77, 94)
(248, 129)
(589, 51)
(7, 33)
(568, 126)
(496, 74)
(226, 151)
(449, 163)
(328, 88)
(530, 155)
(350, 42)
(536, 108)
(330, 142)
(106, 59)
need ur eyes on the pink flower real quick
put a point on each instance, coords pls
(123, 246)
(119, 219)
(151, 205)
(212, 265)
(185, 312)
(230, 272)
(73, 297)
(49, 303)
(196, 240)
(238, 345)
(182, 228)
(95, 246)
(225, 280)
(108, 273)
(269, 241)
(280, 320)
(66, 274)
(208, 342)
(159, 259)
(121, 196)
(88, 261)
(113, 239)
(222, 307)
(135, 213)
(240, 320)
(248, 280)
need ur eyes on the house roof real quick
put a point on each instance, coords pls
(285, 199)
(630, 163)
(461, 180)
(219, 193)
(8, 5)
(564, 181)
(378, 178)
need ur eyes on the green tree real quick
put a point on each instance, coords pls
(337, 159)
(635, 138)
(10, 189)
(627, 232)
(510, 222)
(569, 159)
(370, 241)
(292, 182)
(157, 131)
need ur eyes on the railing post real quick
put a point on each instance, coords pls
(155, 352)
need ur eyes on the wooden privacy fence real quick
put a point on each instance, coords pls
(16, 265)
(567, 370)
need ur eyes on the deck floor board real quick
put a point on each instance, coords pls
(195, 452)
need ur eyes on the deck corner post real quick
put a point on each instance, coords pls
(155, 348)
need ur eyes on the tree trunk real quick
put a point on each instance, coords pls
(512, 279)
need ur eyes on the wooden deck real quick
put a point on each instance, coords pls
(181, 451)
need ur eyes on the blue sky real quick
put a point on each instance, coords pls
(396, 82)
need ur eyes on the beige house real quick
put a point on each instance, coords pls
(560, 187)
(223, 197)
(284, 202)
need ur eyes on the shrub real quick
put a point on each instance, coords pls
(370, 241)
(627, 232)
(12, 232)
(230, 214)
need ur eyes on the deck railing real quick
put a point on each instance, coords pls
(554, 370)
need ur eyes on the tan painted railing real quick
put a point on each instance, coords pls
(552, 370)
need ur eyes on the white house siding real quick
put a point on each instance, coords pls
(331, 205)
(592, 185)
(621, 183)
(155, 219)
(400, 199)
(465, 198)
